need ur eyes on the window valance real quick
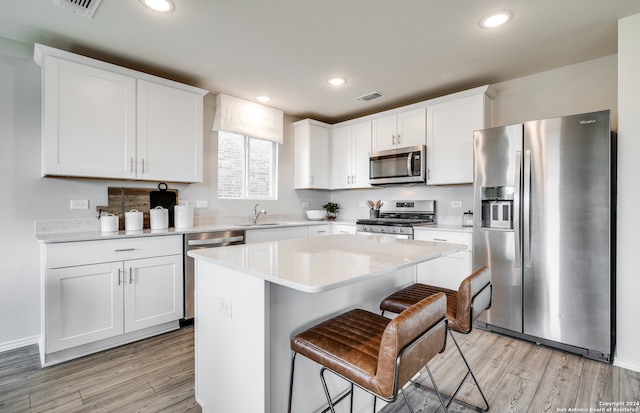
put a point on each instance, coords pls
(248, 118)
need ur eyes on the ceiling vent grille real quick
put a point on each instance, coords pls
(86, 8)
(369, 96)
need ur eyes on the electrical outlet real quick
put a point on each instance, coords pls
(79, 204)
(305, 205)
(456, 204)
(224, 306)
(362, 204)
(202, 204)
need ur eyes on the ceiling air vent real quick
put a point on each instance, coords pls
(86, 8)
(369, 96)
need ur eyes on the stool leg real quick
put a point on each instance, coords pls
(293, 363)
(435, 387)
(404, 396)
(330, 402)
(469, 372)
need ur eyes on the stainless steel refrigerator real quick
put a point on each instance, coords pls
(544, 222)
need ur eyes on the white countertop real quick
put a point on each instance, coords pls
(73, 236)
(324, 263)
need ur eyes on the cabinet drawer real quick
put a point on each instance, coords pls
(444, 236)
(70, 254)
(319, 230)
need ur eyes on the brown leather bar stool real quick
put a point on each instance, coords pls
(463, 307)
(373, 352)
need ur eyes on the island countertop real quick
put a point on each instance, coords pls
(319, 264)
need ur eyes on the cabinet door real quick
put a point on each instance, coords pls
(83, 304)
(311, 162)
(276, 234)
(340, 160)
(412, 128)
(384, 131)
(450, 139)
(153, 291)
(89, 121)
(447, 272)
(360, 148)
(169, 138)
(319, 157)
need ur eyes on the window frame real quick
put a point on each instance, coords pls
(246, 144)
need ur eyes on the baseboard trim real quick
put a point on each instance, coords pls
(629, 365)
(23, 342)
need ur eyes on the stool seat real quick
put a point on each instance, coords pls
(373, 352)
(463, 306)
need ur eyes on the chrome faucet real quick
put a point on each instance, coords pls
(255, 214)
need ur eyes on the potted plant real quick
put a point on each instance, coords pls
(332, 210)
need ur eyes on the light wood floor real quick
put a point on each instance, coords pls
(157, 375)
(152, 375)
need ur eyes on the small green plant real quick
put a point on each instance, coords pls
(331, 207)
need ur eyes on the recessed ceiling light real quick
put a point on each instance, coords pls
(263, 99)
(337, 81)
(165, 6)
(495, 19)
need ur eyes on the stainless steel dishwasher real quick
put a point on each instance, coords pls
(201, 240)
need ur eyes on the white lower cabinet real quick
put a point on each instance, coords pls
(450, 270)
(276, 234)
(91, 306)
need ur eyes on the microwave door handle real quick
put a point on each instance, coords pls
(410, 164)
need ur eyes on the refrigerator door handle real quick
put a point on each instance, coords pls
(526, 210)
(516, 211)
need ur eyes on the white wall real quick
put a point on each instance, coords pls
(627, 354)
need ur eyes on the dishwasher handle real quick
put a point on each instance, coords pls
(214, 241)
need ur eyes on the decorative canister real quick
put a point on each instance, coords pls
(159, 218)
(109, 223)
(133, 220)
(183, 216)
(467, 219)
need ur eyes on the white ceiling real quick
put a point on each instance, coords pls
(409, 50)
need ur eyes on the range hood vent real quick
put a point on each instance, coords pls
(86, 8)
(369, 96)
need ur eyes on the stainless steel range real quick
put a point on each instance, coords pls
(397, 218)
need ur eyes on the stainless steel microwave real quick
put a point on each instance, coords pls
(398, 166)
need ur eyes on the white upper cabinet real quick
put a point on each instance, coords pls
(169, 138)
(350, 147)
(106, 121)
(311, 155)
(399, 130)
(450, 126)
(89, 121)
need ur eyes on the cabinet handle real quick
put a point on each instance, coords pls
(348, 179)
(143, 167)
(440, 239)
(119, 276)
(393, 139)
(131, 167)
(320, 232)
(125, 250)
(398, 136)
(353, 179)
(130, 275)
(312, 180)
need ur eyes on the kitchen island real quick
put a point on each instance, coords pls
(250, 299)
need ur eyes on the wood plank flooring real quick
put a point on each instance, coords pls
(157, 375)
(152, 375)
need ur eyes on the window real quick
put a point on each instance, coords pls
(246, 167)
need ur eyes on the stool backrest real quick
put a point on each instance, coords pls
(474, 296)
(409, 341)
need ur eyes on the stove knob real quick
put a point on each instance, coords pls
(401, 230)
(381, 229)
